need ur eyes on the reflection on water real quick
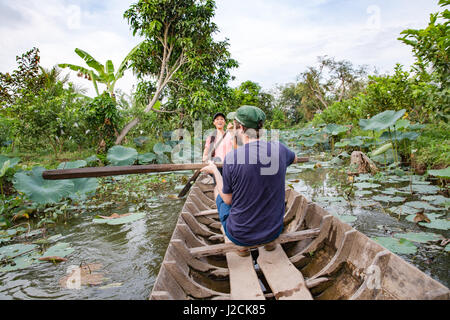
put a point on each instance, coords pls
(131, 254)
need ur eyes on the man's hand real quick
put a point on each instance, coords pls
(210, 168)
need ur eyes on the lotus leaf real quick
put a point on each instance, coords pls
(402, 124)
(4, 168)
(417, 126)
(388, 198)
(83, 187)
(447, 248)
(443, 173)
(92, 159)
(423, 189)
(346, 218)
(422, 237)
(122, 220)
(307, 132)
(381, 149)
(399, 136)
(355, 142)
(12, 161)
(330, 199)
(400, 246)
(146, 158)
(160, 148)
(364, 203)
(293, 169)
(61, 249)
(436, 200)
(72, 165)
(391, 191)
(404, 210)
(422, 205)
(435, 223)
(140, 141)
(40, 190)
(28, 256)
(382, 120)
(122, 156)
(366, 185)
(387, 157)
(334, 129)
(342, 143)
(162, 158)
(343, 154)
(361, 193)
(363, 177)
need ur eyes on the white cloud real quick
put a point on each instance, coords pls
(272, 40)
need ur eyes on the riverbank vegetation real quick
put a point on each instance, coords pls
(400, 119)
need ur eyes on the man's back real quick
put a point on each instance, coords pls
(255, 175)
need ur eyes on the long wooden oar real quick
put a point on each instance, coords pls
(194, 177)
(115, 171)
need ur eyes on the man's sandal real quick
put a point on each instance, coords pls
(243, 252)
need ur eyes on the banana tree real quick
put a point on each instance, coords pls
(99, 73)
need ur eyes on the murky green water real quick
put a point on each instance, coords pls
(131, 254)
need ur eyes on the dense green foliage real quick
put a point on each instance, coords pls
(184, 76)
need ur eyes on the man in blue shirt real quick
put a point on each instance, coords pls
(250, 196)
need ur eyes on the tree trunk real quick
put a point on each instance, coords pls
(362, 163)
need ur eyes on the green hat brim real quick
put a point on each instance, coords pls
(231, 116)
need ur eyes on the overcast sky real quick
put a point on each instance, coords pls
(273, 40)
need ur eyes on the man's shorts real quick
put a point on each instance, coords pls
(224, 212)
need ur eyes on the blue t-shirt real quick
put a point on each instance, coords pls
(255, 175)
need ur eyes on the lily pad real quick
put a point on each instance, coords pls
(72, 165)
(146, 158)
(83, 187)
(335, 129)
(330, 199)
(436, 200)
(435, 223)
(422, 237)
(422, 189)
(366, 185)
(122, 156)
(92, 159)
(346, 218)
(161, 148)
(388, 198)
(122, 220)
(61, 249)
(404, 210)
(401, 246)
(25, 256)
(443, 173)
(382, 120)
(422, 205)
(12, 161)
(40, 190)
(361, 193)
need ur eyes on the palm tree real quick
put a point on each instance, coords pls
(100, 73)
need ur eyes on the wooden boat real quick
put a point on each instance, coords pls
(317, 257)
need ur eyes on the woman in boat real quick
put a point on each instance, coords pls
(221, 142)
(251, 192)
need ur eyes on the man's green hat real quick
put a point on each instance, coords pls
(248, 116)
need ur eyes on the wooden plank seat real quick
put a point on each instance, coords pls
(230, 247)
(244, 282)
(284, 279)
